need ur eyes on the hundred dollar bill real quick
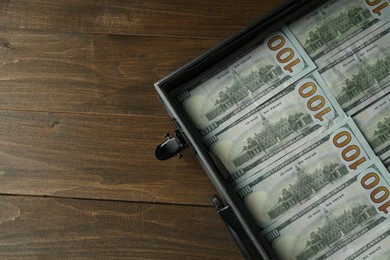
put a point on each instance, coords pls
(376, 249)
(255, 75)
(286, 120)
(374, 245)
(386, 162)
(310, 170)
(337, 23)
(374, 122)
(334, 221)
(361, 74)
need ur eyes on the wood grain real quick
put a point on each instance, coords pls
(79, 122)
(46, 228)
(95, 156)
(190, 18)
(68, 72)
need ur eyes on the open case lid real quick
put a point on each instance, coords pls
(187, 135)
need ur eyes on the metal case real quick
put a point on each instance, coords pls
(235, 217)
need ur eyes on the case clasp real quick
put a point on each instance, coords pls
(245, 244)
(171, 147)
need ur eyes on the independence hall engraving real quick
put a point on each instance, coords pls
(367, 77)
(305, 186)
(271, 135)
(381, 134)
(335, 228)
(241, 88)
(332, 27)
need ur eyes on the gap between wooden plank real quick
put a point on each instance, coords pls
(102, 199)
(95, 156)
(66, 228)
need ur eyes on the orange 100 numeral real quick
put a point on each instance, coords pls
(380, 5)
(316, 102)
(350, 153)
(378, 194)
(284, 55)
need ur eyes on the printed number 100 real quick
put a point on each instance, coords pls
(379, 194)
(350, 152)
(284, 55)
(378, 6)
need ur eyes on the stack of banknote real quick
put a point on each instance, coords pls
(299, 124)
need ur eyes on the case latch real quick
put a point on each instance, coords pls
(245, 244)
(171, 147)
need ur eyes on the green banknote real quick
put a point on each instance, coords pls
(319, 230)
(288, 119)
(386, 162)
(374, 122)
(360, 75)
(337, 23)
(307, 172)
(374, 245)
(228, 91)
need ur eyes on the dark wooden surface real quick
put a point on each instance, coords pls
(79, 121)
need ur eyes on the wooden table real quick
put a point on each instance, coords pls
(80, 120)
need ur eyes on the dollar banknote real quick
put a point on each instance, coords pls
(374, 122)
(286, 120)
(254, 76)
(374, 245)
(320, 229)
(337, 23)
(316, 166)
(360, 75)
(386, 162)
